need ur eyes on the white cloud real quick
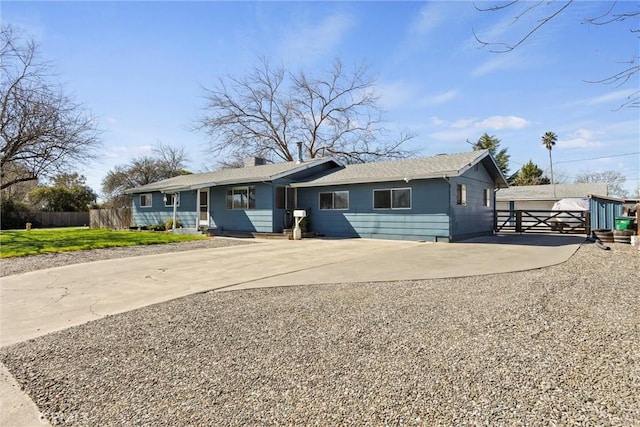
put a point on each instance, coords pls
(440, 98)
(311, 42)
(115, 151)
(437, 121)
(462, 124)
(490, 123)
(502, 122)
(455, 135)
(497, 63)
(621, 96)
(124, 152)
(395, 94)
(428, 19)
(465, 129)
(581, 138)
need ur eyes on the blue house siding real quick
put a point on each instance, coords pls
(259, 219)
(426, 220)
(474, 218)
(159, 213)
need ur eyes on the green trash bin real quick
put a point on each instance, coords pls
(624, 222)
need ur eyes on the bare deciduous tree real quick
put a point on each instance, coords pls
(269, 111)
(166, 162)
(615, 181)
(43, 132)
(173, 159)
(613, 12)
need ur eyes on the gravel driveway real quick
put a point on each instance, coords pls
(558, 345)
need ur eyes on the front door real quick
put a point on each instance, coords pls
(203, 209)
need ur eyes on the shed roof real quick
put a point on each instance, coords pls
(443, 165)
(246, 174)
(546, 192)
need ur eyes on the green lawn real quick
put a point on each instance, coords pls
(21, 243)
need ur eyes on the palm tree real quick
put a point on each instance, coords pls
(549, 139)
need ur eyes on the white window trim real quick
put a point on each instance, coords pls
(487, 197)
(244, 187)
(150, 196)
(333, 203)
(169, 204)
(391, 200)
(289, 202)
(463, 194)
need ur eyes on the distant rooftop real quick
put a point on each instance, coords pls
(545, 192)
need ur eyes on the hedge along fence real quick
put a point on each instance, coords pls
(49, 219)
(115, 218)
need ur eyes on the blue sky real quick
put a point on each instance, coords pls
(140, 68)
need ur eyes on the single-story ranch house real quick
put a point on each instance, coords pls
(439, 198)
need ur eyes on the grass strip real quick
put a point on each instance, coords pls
(34, 242)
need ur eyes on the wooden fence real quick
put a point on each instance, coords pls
(51, 219)
(115, 218)
(541, 221)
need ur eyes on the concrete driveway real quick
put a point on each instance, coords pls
(39, 302)
(36, 303)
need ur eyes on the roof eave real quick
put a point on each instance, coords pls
(174, 188)
(369, 180)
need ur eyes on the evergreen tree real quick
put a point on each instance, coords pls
(529, 174)
(491, 143)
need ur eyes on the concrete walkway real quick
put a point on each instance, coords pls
(36, 303)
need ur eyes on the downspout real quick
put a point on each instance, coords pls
(446, 178)
(495, 209)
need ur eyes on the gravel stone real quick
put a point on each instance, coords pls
(552, 346)
(17, 265)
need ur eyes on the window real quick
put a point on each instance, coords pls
(487, 197)
(241, 198)
(461, 194)
(145, 200)
(335, 200)
(393, 198)
(168, 200)
(285, 198)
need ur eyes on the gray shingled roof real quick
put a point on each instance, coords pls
(448, 165)
(545, 192)
(228, 176)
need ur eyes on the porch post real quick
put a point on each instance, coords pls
(198, 208)
(175, 210)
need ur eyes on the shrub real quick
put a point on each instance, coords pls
(157, 227)
(169, 223)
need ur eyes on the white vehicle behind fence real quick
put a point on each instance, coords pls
(565, 221)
